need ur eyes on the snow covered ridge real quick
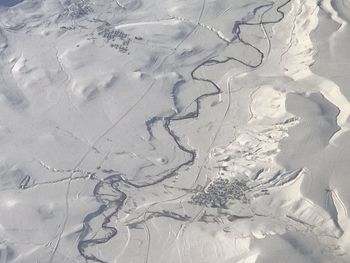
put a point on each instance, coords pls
(174, 131)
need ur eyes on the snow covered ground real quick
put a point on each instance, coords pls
(198, 131)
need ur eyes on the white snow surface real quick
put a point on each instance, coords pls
(187, 131)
